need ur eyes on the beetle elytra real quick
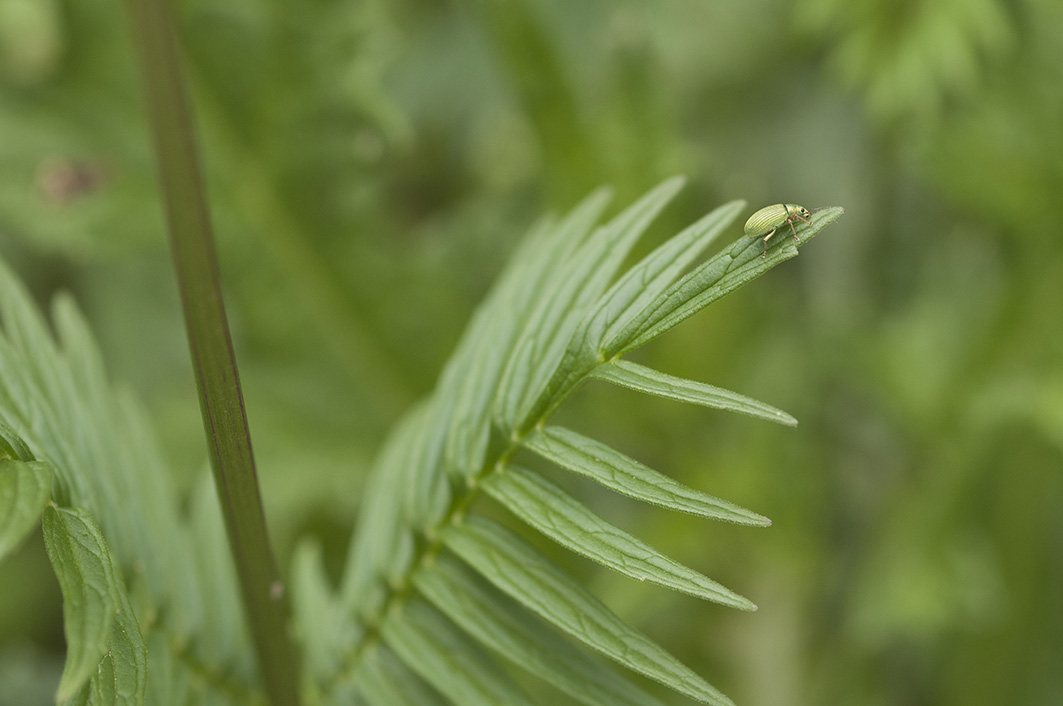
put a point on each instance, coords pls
(771, 218)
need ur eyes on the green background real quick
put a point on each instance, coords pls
(372, 164)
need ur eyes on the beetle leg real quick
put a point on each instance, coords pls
(790, 220)
(766, 241)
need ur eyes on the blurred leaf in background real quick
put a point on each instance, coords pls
(371, 165)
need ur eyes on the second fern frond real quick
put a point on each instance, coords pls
(432, 593)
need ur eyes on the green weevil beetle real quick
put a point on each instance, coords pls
(771, 218)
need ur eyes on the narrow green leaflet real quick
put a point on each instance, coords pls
(122, 675)
(174, 681)
(607, 466)
(653, 382)
(89, 583)
(581, 282)
(645, 282)
(23, 324)
(717, 277)
(431, 646)
(24, 491)
(427, 493)
(168, 684)
(536, 268)
(607, 248)
(12, 447)
(221, 628)
(381, 525)
(385, 681)
(518, 570)
(523, 639)
(570, 523)
(510, 397)
(318, 621)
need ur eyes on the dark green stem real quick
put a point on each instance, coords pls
(221, 402)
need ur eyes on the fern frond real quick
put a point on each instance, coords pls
(118, 545)
(441, 589)
(433, 594)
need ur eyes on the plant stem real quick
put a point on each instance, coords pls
(221, 402)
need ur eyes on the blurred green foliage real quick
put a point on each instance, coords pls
(372, 164)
